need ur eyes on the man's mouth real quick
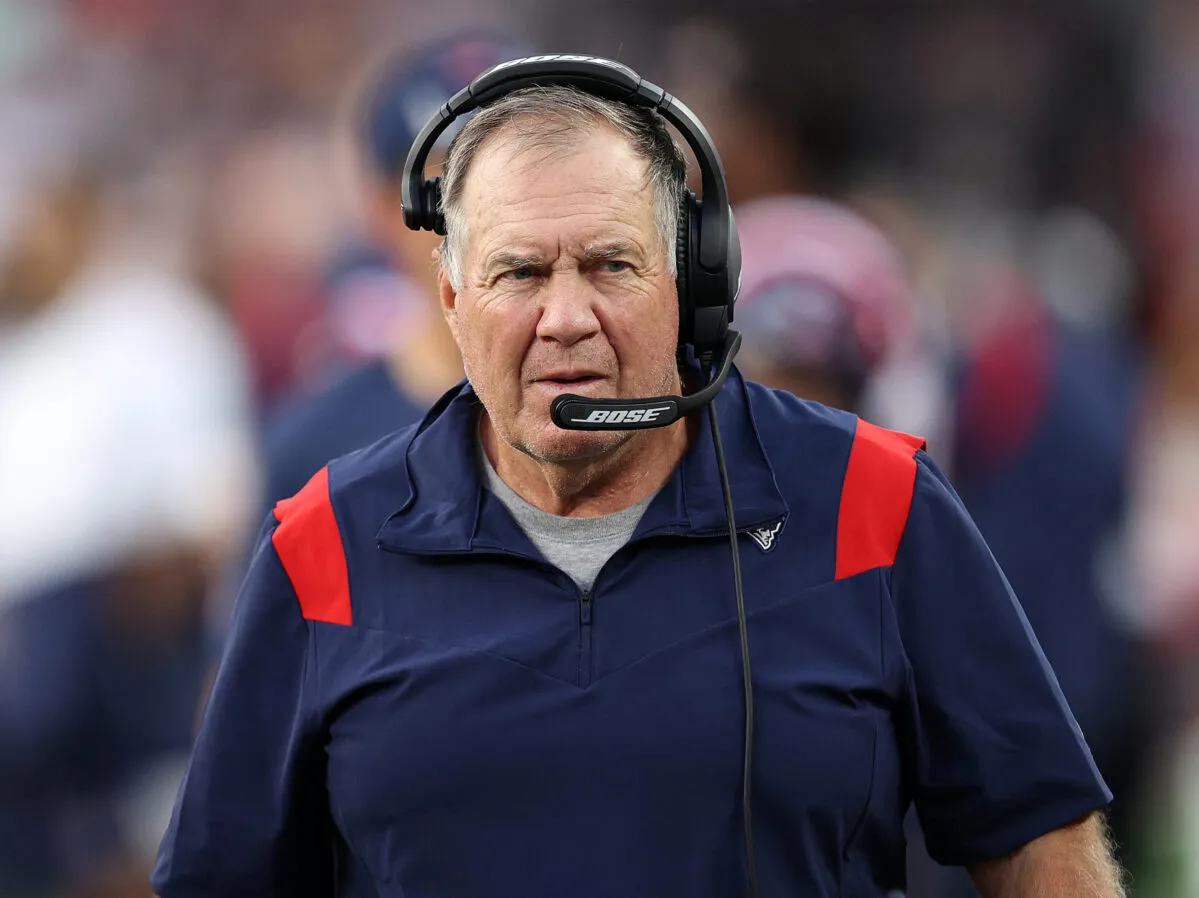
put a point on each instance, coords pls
(570, 381)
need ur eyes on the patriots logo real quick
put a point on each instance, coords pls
(764, 536)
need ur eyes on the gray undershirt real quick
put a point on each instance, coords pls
(577, 546)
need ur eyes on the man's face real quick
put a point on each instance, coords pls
(566, 289)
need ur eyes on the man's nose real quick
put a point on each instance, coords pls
(567, 312)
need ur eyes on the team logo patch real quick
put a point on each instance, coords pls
(764, 536)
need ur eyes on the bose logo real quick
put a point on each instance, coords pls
(625, 416)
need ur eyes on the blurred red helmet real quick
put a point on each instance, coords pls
(821, 287)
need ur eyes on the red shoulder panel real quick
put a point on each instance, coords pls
(875, 498)
(309, 545)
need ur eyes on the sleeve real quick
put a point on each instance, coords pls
(251, 817)
(996, 756)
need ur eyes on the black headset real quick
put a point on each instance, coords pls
(708, 251)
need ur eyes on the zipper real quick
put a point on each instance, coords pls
(586, 661)
(585, 638)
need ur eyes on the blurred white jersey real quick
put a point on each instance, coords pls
(124, 427)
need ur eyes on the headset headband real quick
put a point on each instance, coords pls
(600, 77)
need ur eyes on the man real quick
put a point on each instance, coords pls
(392, 391)
(488, 656)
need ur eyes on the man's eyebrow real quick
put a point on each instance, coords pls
(503, 261)
(608, 249)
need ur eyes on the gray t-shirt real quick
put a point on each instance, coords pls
(578, 546)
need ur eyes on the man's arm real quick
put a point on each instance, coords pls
(997, 758)
(252, 818)
(1072, 862)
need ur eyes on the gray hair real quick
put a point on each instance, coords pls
(552, 119)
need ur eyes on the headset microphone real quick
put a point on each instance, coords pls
(572, 412)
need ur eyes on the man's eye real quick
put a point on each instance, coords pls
(519, 274)
(615, 266)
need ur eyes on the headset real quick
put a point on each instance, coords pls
(708, 257)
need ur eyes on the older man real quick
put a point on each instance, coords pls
(489, 656)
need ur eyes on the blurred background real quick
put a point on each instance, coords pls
(976, 221)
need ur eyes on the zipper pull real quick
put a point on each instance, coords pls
(585, 606)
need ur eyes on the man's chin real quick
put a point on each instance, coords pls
(559, 446)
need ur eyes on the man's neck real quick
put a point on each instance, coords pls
(635, 471)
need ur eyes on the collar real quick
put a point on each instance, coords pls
(446, 509)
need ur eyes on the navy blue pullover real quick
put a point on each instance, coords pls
(413, 703)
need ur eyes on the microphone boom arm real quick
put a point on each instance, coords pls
(573, 412)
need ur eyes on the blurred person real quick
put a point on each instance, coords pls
(1044, 415)
(262, 245)
(824, 302)
(831, 312)
(491, 654)
(713, 63)
(1167, 468)
(421, 360)
(781, 88)
(125, 464)
(109, 364)
(1164, 523)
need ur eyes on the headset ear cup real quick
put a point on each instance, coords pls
(734, 263)
(431, 200)
(682, 258)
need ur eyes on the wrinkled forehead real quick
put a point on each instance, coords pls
(578, 179)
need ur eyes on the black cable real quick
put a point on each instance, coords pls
(746, 673)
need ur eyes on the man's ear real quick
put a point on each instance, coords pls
(447, 296)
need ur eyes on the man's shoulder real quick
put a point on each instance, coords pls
(363, 399)
(847, 483)
(320, 533)
(780, 414)
(789, 424)
(361, 488)
(357, 409)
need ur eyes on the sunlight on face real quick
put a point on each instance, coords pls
(566, 288)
